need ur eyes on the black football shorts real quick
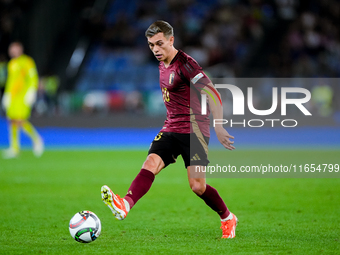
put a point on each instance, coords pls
(170, 145)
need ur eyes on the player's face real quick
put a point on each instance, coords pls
(161, 46)
(15, 50)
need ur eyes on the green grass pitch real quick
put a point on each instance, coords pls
(38, 197)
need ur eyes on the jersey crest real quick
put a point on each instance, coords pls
(171, 78)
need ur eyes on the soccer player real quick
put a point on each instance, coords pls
(20, 94)
(185, 131)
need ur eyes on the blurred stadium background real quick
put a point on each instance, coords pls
(100, 106)
(99, 82)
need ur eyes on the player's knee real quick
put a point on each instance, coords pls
(16, 122)
(197, 187)
(153, 163)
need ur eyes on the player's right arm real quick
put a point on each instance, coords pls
(7, 97)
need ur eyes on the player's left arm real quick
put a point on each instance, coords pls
(198, 79)
(216, 108)
(32, 83)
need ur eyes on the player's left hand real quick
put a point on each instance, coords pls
(30, 97)
(223, 136)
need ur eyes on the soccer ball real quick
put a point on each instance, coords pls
(85, 227)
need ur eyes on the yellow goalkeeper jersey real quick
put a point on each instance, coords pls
(22, 77)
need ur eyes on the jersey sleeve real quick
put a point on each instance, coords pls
(32, 75)
(13, 72)
(192, 72)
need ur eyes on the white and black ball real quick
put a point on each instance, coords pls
(85, 226)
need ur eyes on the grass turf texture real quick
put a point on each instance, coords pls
(277, 216)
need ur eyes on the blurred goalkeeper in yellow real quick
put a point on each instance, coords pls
(19, 97)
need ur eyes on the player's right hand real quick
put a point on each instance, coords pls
(6, 100)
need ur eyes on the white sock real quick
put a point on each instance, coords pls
(127, 205)
(228, 218)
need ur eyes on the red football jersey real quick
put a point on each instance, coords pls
(181, 83)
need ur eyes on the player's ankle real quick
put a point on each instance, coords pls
(127, 205)
(230, 216)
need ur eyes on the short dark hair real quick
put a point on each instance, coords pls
(19, 43)
(160, 26)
